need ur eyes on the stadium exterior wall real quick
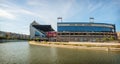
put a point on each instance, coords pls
(81, 31)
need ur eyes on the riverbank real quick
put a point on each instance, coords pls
(81, 45)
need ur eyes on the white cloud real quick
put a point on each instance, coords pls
(6, 14)
(92, 7)
(13, 11)
(48, 11)
(44, 9)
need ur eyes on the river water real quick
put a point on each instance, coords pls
(23, 53)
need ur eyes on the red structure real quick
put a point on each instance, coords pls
(51, 34)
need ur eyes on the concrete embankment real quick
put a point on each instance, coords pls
(81, 45)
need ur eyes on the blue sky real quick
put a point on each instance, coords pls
(16, 15)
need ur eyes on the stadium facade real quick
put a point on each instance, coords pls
(74, 31)
(85, 31)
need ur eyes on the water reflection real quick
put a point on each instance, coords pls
(14, 52)
(54, 55)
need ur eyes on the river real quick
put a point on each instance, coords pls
(23, 53)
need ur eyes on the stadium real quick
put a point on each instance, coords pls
(74, 32)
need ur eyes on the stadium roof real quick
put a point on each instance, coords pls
(83, 23)
(45, 28)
